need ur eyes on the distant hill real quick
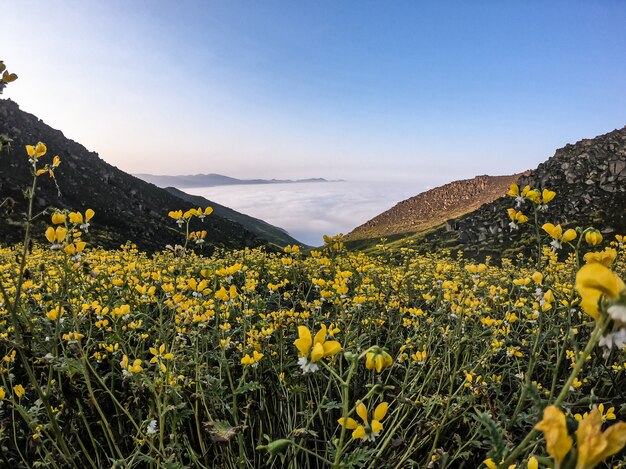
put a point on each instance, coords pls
(211, 180)
(434, 207)
(589, 178)
(127, 208)
(259, 227)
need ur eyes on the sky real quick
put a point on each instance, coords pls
(358, 90)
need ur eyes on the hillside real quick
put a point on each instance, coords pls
(589, 178)
(127, 208)
(434, 207)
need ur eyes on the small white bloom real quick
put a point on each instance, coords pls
(618, 313)
(152, 427)
(307, 366)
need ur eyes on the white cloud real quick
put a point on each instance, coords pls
(310, 210)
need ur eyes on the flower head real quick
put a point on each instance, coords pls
(313, 349)
(593, 282)
(554, 428)
(367, 430)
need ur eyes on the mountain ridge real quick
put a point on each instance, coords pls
(213, 180)
(127, 208)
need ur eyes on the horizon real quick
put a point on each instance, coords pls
(442, 91)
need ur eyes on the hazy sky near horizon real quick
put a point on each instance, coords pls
(351, 89)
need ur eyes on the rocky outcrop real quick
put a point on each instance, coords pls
(589, 178)
(434, 207)
(127, 208)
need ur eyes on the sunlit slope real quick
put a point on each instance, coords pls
(589, 178)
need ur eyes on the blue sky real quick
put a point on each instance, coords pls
(437, 90)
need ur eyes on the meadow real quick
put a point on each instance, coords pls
(325, 358)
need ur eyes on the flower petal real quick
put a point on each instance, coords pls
(350, 423)
(317, 353)
(381, 411)
(361, 411)
(320, 337)
(331, 348)
(358, 433)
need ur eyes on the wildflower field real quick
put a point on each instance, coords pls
(327, 358)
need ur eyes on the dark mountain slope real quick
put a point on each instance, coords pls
(127, 208)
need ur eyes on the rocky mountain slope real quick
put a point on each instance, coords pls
(127, 208)
(589, 178)
(434, 207)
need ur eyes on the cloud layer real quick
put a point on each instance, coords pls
(310, 210)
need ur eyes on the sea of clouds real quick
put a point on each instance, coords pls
(310, 210)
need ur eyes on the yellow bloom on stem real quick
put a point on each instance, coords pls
(593, 237)
(606, 257)
(368, 430)
(517, 217)
(252, 360)
(378, 360)
(554, 428)
(592, 282)
(513, 190)
(547, 196)
(19, 391)
(2, 393)
(58, 218)
(314, 349)
(37, 150)
(594, 445)
(76, 217)
(557, 235)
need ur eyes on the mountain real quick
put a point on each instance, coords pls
(589, 178)
(434, 207)
(211, 180)
(127, 208)
(259, 227)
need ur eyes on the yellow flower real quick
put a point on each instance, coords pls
(513, 190)
(368, 430)
(19, 391)
(557, 235)
(2, 393)
(36, 151)
(606, 257)
(130, 368)
(58, 218)
(593, 237)
(554, 428)
(378, 359)
(547, 196)
(593, 281)
(314, 349)
(533, 463)
(56, 236)
(517, 217)
(594, 445)
(252, 360)
(491, 464)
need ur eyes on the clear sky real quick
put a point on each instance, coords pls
(336, 89)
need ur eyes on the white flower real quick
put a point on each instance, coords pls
(555, 244)
(617, 312)
(307, 366)
(152, 427)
